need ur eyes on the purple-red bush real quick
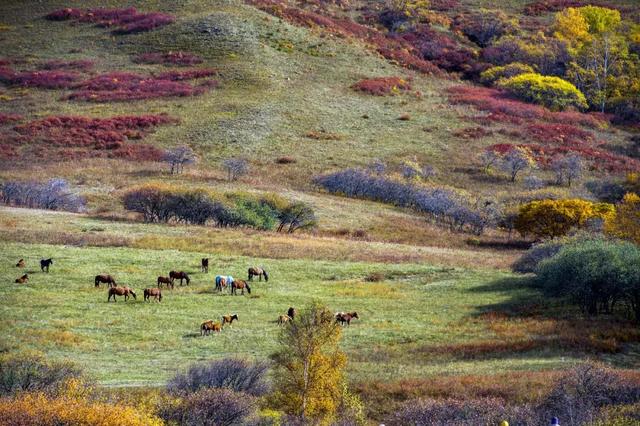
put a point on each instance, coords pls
(76, 65)
(440, 49)
(53, 79)
(124, 21)
(191, 74)
(171, 58)
(543, 6)
(443, 5)
(9, 118)
(562, 134)
(382, 85)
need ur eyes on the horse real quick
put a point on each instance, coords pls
(228, 319)
(208, 326)
(223, 282)
(120, 291)
(291, 313)
(283, 319)
(20, 264)
(205, 265)
(179, 275)
(346, 317)
(165, 280)
(23, 279)
(45, 263)
(155, 292)
(241, 285)
(258, 272)
(106, 279)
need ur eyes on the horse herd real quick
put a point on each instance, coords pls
(221, 283)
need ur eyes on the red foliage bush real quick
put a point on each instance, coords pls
(78, 65)
(187, 74)
(407, 60)
(382, 85)
(124, 21)
(543, 6)
(473, 133)
(443, 5)
(171, 58)
(9, 118)
(559, 134)
(44, 79)
(126, 86)
(440, 49)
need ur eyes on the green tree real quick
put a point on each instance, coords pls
(308, 372)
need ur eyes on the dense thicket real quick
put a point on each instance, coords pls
(55, 194)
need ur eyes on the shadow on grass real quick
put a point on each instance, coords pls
(191, 335)
(523, 298)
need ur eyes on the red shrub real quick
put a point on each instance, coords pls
(9, 118)
(473, 133)
(407, 60)
(43, 79)
(561, 134)
(443, 5)
(187, 74)
(501, 148)
(540, 7)
(382, 85)
(171, 58)
(124, 21)
(440, 49)
(78, 65)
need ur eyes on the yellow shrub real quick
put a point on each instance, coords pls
(626, 224)
(552, 92)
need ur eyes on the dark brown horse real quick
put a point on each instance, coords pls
(165, 280)
(291, 313)
(228, 319)
(179, 275)
(23, 279)
(20, 263)
(106, 279)
(155, 292)
(45, 263)
(258, 272)
(208, 326)
(240, 285)
(120, 291)
(346, 317)
(205, 265)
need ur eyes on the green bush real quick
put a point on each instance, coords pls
(494, 74)
(552, 92)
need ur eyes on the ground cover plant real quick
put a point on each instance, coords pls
(123, 21)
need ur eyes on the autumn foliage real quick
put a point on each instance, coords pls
(178, 58)
(46, 79)
(627, 221)
(123, 21)
(382, 85)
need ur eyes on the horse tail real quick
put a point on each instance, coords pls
(160, 297)
(96, 281)
(132, 293)
(187, 278)
(266, 276)
(248, 288)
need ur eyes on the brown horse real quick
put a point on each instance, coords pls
(175, 275)
(23, 279)
(228, 319)
(165, 280)
(346, 317)
(205, 265)
(45, 263)
(20, 264)
(120, 291)
(106, 279)
(208, 326)
(240, 285)
(283, 319)
(258, 272)
(291, 313)
(155, 292)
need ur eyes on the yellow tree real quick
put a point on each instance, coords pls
(308, 372)
(626, 224)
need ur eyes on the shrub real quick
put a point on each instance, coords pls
(493, 74)
(34, 374)
(484, 27)
(297, 215)
(382, 86)
(54, 79)
(124, 21)
(219, 407)
(171, 58)
(191, 74)
(515, 161)
(76, 65)
(286, 159)
(553, 218)
(440, 49)
(55, 194)
(235, 374)
(235, 168)
(533, 182)
(9, 118)
(567, 169)
(606, 191)
(626, 223)
(529, 261)
(539, 7)
(178, 157)
(552, 92)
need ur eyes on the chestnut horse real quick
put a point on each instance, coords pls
(208, 326)
(240, 285)
(174, 275)
(155, 292)
(283, 319)
(20, 263)
(258, 272)
(228, 319)
(106, 279)
(120, 291)
(165, 280)
(346, 317)
(45, 263)
(205, 265)
(23, 279)
(223, 281)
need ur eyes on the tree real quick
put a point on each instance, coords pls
(178, 157)
(235, 168)
(626, 223)
(489, 158)
(553, 218)
(516, 160)
(552, 92)
(567, 169)
(308, 370)
(297, 215)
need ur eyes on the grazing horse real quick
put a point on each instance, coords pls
(155, 292)
(174, 275)
(205, 265)
(258, 272)
(165, 280)
(20, 263)
(120, 291)
(291, 313)
(23, 279)
(223, 281)
(106, 279)
(346, 317)
(228, 319)
(208, 326)
(283, 319)
(240, 285)
(45, 263)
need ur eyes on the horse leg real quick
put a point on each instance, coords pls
(260, 277)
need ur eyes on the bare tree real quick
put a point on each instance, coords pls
(516, 160)
(235, 167)
(178, 157)
(567, 169)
